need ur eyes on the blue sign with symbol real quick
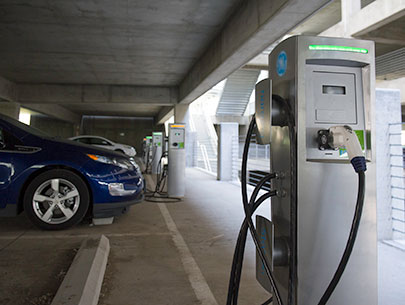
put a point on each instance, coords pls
(281, 63)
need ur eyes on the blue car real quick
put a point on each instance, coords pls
(59, 182)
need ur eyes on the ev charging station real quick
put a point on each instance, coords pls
(319, 94)
(147, 150)
(176, 184)
(156, 151)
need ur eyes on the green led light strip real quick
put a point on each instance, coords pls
(317, 47)
(149, 137)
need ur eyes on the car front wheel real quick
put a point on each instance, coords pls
(56, 199)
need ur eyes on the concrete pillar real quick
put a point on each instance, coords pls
(389, 161)
(76, 130)
(177, 157)
(227, 151)
(191, 153)
(10, 109)
(182, 115)
(349, 7)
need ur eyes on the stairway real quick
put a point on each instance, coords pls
(207, 142)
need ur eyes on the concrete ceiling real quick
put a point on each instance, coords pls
(131, 57)
(120, 42)
(388, 37)
(321, 20)
(387, 33)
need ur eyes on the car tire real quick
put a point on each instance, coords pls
(44, 204)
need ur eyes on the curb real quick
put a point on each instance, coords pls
(82, 283)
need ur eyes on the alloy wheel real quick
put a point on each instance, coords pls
(56, 201)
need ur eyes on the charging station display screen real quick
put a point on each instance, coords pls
(326, 89)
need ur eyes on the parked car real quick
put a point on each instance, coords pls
(58, 182)
(105, 143)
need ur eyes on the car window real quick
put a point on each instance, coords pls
(83, 140)
(97, 141)
(24, 127)
(8, 141)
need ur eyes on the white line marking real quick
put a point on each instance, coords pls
(201, 289)
(200, 286)
(85, 235)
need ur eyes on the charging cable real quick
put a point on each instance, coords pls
(343, 137)
(339, 137)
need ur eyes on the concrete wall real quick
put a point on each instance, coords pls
(123, 130)
(388, 126)
(228, 144)
(10, 109)
(52, 126)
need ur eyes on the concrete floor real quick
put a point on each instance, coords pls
(33, 263)
(147, 263)
(153, 269)
(391, 275)
(173, 253)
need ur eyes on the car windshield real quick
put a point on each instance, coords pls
(24, 127)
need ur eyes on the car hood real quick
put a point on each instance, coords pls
(69, 145)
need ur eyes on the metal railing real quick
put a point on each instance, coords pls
(206, 141)
(256, 151)
(207, 155)
(235, 159)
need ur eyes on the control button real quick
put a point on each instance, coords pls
(175, 144)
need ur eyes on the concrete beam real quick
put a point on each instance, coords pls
(241, 120)
(8, 90)
(251, 29)
(164, 114)
(371, 17)
(348, 9)
(56, 111)
(74, 94)
(384, 40)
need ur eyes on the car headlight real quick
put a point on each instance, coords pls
(123, 163)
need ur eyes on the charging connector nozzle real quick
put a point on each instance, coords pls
(343, 137)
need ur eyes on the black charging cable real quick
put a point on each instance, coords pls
(351, 240)
(251, 206)
(160, 176)
(233, 289)
(159, 195)
(237, 262)
(147, 160)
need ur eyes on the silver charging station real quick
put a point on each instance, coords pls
(147, 149)
(157, 138)
(176, 184)
(323, 82)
